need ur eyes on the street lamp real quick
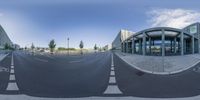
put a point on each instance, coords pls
(68, 45)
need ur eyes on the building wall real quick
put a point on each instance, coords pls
(4, 38)
(121, 36)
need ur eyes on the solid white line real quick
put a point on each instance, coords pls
(112, 62)
(12, 86)
(112, 89)
(12, 62)
(112, 80)
(12, 71)
(112, 73)
(12, 77)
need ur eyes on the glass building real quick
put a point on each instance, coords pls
(163, 41)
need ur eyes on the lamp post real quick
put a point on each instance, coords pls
(68, 45)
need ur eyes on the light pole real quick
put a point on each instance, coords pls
(68, 45)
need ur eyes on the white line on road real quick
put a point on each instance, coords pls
(12, 86)
(12, 71)
(112, 80)
(12, 66)
(112, 68)
(112, 62)
(112, 89)
(74, 61)
(112, 73)
(42, 60)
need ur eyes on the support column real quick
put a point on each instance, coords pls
(163, 42)
(133, 46)
(175, 45)
(140, 46)
(192, 44)
(182, 38)
(127, 47)
(144, 44)
(124, 47)
(150, 45)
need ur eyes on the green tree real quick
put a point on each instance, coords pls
(25, 48)
(95, 47)
(32, 48)
(6, 46)
(52, 46)
(81, 45)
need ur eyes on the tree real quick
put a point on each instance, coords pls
(6, 46)
(95, 47)
(25, 48)
(32, 48)
(52, 46)
(81, 46)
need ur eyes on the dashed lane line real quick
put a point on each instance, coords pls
(74, 61)
(12, 85)
(112, 86)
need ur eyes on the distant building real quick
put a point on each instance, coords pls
(121, 36)
(107, 47)
(4, 38)
(16, 46)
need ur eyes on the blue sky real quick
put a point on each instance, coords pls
(93, 21)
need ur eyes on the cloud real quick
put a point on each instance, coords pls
(177, 18)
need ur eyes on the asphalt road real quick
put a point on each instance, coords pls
(89, 75)
(62, 76)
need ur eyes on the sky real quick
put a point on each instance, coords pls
(92, 21)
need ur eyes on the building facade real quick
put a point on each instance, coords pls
(164, 41)
(121, 36)
(4, 38)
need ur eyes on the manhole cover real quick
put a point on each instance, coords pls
(140, 73)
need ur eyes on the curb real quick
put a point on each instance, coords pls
(159, 73)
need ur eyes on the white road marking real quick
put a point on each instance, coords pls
(112, 89)
(112, 62)
(12, 61)
(112, 68)
(74, 61)
(112, 73)
(112, 80)
(12, 86)
(12, 77)
(12, 71)
(12, 66)
(42, 60)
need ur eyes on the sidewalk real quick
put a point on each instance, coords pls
(160, 65)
